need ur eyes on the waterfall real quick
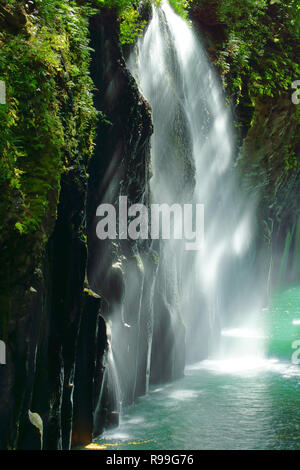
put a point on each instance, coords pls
(193, 161)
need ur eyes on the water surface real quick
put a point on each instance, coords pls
(246, 401)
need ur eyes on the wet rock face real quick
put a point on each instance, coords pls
(263, 165)
(62, 361)
(119, 270)
(91, 349)
(121, 166)
(45, 315)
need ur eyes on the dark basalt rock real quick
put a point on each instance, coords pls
(262, 166)
(92, 344)
(57, 333)
(121, 167)
(63, 273)
(124, 272)
(45, 313)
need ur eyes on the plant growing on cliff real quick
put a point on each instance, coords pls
(262, 44)
(49, 119)
(131, 24)
(290, 160)
(181, 7)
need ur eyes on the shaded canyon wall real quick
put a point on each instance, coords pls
(82, 317)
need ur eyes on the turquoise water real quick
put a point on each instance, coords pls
(282, 322)
(246, 400)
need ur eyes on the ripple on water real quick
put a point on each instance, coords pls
(183, 394)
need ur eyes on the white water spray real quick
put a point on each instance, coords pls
(192, 153)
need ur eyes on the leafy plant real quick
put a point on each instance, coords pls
(181, 7)
(49, 120)
(131, 25)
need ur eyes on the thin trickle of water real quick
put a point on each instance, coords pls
(110, 392)
(113, 370)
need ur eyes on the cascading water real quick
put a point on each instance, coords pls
(192, 153)
(183, 307)
(233, 396)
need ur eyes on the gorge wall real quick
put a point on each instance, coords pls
(125, 272)
(66, 296)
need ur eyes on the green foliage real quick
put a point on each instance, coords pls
(255, 46)
(290, 160)
(131, 25)
(181, 7)
(49, 120)
(260, 57)
(119, 5)
(262, 43)
(262, 46)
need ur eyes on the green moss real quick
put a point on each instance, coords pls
(139, 263)
(49, 120)
(181, 7)
(291, 161)
(154, 257)
(88, 291)
(261, 46)
(255, 46)
(131, 23)
(47, 127)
